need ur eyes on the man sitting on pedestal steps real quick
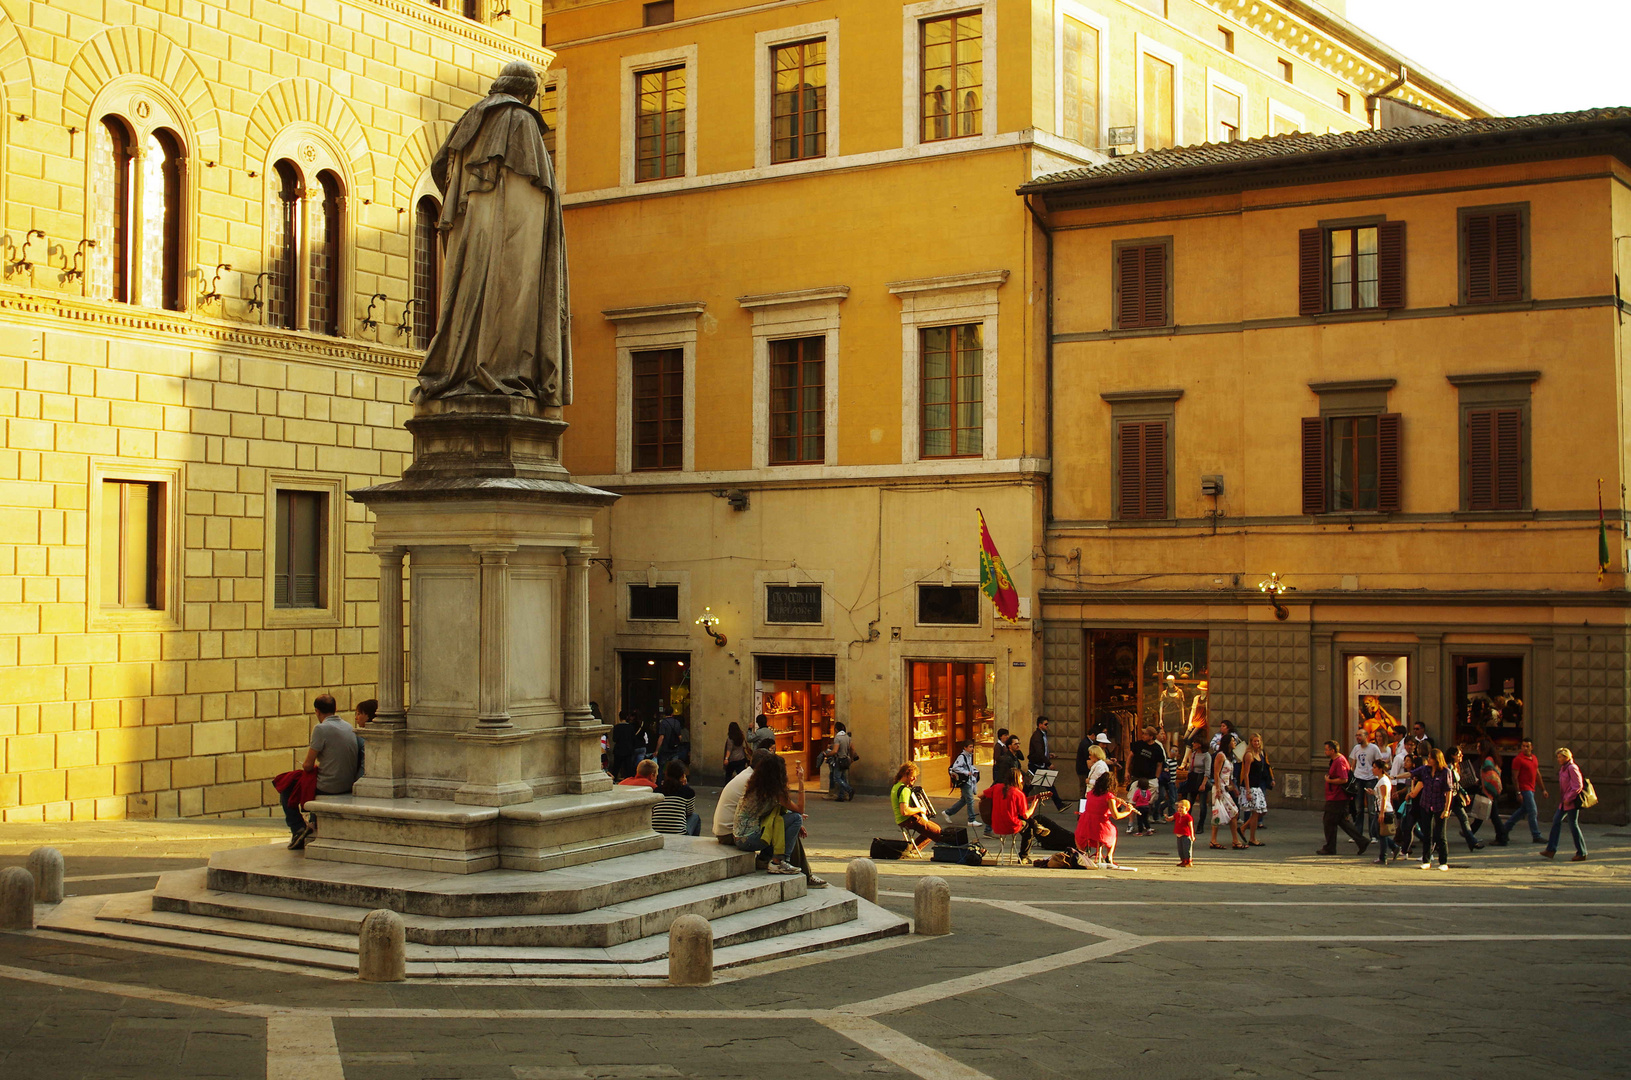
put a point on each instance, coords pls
(730, 800)
(332, 755)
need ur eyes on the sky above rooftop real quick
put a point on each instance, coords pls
(1516, 56)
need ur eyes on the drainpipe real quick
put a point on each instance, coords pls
(1371, 99)
(1047, 383)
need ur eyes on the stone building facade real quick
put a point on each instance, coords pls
(232, 342)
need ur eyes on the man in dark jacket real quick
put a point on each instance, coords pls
(1041, 756)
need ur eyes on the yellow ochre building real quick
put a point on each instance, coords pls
(810, 320)
(1387, 367)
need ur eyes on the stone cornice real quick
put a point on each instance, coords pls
(830, 294)
(190, 331)
(1343, 51)
(478, 35)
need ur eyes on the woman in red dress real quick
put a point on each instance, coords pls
(1096, 827)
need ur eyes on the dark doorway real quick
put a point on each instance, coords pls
(652, 678)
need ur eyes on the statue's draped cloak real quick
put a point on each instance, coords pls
(502, 327)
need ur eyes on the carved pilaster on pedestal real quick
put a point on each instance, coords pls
(583, 730)
(493, 689)
(385, 766)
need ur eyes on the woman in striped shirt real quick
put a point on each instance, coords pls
(677, 813)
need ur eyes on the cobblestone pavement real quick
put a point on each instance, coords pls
(1272, 962)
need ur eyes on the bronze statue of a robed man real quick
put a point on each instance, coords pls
(502, 325)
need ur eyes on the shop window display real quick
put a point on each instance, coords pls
(949, 703)
(1144, 679)
(796, 695)
(1378, 695)
(1489, 704)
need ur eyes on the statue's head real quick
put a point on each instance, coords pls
(518, 80)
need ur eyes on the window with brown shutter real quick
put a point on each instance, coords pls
(1143, 284)
(1350, 268)
(1493, 240)
(1494, 459)
(1351, 463)
(1141, 473)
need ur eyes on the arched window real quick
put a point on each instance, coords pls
(137, 208)
(283, 292)
(161, 220)
(113, 166)
(324, 267)
(427, 271)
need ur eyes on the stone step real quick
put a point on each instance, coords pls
(129, 918)
(187, 892)
(681, 863)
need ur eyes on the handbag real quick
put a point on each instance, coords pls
(1588, 795)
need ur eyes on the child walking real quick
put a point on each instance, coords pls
(1142, 796)
(1183, 827)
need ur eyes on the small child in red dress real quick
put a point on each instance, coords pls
(1183, 827)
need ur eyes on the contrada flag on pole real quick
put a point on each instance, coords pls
(1602, 536)
(994, 579)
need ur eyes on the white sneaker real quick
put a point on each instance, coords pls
(1443, 866)
(1426, 866)
(945, 817)
(976, 824)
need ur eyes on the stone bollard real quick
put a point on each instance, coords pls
(16, 899)
(45, 864)
(931, 906)
(382, 952)
(862, 879)
(690, 951)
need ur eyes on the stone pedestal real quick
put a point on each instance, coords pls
(497, 540)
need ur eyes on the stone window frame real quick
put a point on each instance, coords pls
(799, 313)
(125, 96)
(792, 575)
(1352, 398)
(312, 151)
(1277, 108)
(1138, 406)
(332, 613)
(1217, 80)
(640, 329)
(912, 18)
(168, 616)
(1495, 390)
(1088, 17)
(654, 628)
(764, 44)
(632, 67)
(557, 78)
(1148, 46)
(952, 300)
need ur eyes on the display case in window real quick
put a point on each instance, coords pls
(948, 704)
(797, 695)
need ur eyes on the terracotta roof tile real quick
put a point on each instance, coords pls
(1207, 155)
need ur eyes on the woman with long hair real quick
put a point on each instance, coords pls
(1570, 784)
(1096, 827)
(769, 818)
(1225, 811)
(1430, 792)
(736, 750)
(909, 812)
(1012, 814)
(1256, 775)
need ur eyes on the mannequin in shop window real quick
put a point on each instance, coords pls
(1170, 709)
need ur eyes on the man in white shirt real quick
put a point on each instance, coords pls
(1366, 757)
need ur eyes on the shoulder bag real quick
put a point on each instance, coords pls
(1588, 795)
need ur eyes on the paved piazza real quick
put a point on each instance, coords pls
(1268, 963)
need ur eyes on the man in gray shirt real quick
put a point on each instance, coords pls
(333, 756)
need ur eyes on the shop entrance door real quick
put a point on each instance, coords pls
(1489, 708)
(796, 695)
(949, 704)
(649, 679)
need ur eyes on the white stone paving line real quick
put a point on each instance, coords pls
(301, 1043)
(302, 1047)
(1324, 903)
(908, 1053)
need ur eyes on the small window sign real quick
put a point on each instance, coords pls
(793, 603)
